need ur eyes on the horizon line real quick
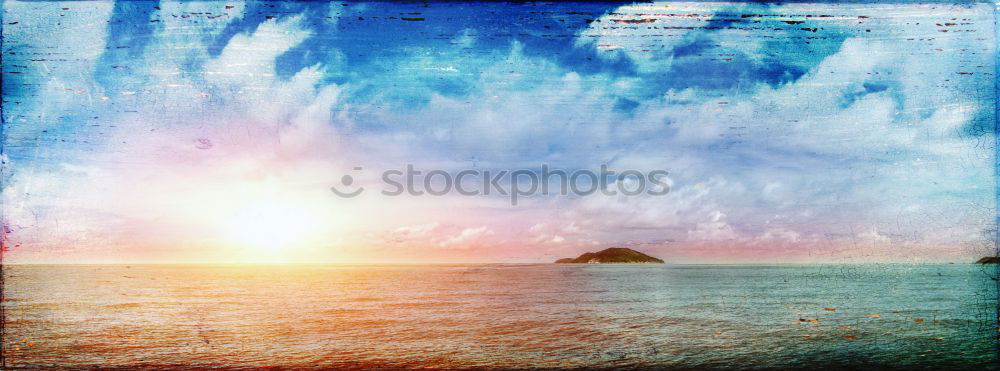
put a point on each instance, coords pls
(483, 263)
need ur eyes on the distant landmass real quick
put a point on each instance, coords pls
(989, 260)
(610, 256)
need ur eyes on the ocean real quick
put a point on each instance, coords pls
(544, 315)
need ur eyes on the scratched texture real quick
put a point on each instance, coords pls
(838, 134)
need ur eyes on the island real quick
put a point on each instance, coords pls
(989, 260)
(611, 256)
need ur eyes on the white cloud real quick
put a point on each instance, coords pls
(716, 228)
(467, 236)
(414, 231)
(248, 57)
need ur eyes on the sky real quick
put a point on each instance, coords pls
(188, 132)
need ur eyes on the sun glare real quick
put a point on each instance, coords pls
(269, 227)
(267, 222)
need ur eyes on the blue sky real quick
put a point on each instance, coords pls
(137, 131)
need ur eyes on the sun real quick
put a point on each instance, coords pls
(269, 222)
(268, 227)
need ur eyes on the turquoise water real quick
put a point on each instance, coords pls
(711, 316)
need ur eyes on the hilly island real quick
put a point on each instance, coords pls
(610, 256)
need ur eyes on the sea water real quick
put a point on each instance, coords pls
(546, 315)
